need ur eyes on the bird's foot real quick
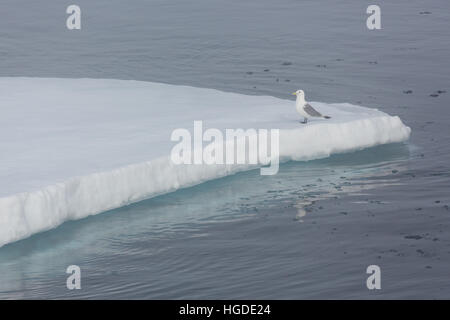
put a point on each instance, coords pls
(304, 121)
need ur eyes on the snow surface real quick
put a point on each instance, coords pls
(70, 148)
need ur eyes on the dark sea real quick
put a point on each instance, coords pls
(308, 232)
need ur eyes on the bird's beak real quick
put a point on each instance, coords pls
(294, 93)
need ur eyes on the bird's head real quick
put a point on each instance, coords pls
(300, 94)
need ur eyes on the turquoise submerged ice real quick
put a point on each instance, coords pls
(71, 148)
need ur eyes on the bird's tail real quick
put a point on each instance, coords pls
(327, 117)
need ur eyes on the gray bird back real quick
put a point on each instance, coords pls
(311, 111)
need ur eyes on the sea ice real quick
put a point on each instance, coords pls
(71, 148)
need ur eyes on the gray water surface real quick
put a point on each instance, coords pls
(308, 232)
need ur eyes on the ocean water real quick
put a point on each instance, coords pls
(309, 231)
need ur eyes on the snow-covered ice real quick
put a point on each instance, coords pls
(70, 148)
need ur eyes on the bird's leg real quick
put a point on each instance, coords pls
(306, 120)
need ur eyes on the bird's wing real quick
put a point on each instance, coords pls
(311, 111)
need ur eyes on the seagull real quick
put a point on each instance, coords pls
(305, 109)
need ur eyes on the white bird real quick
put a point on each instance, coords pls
(305, 109)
